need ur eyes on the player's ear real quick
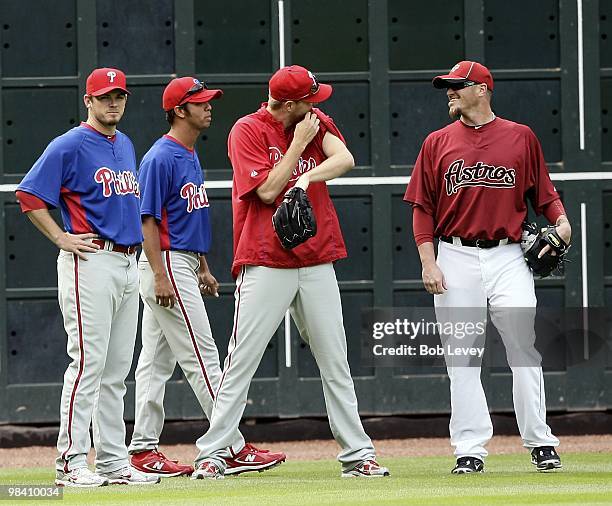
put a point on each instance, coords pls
(179, 111)
(87, 101)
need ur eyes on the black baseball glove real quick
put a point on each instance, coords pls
(532, 242)
(294, 221)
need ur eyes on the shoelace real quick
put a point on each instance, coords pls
(162, 457)
(253, 449)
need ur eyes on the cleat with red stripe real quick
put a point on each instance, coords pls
(207, 470)
(366, 469)
(251, 458)
(155, 462)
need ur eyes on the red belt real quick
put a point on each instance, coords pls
(111, 246)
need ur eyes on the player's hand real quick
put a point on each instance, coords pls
(164, 293)
(79, 244)
(564, 229)
(303, 181)
(208, 284)
(306, 129)
(433, 279)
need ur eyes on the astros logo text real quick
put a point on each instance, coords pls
(458, 176)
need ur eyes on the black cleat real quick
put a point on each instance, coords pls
(468, 465)
(545, 458)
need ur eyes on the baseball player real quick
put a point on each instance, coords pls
(173, 276)
(90, 173)
(469, 188)
(285, 143)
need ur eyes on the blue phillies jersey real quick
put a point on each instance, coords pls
(172, 190)
(93, 181)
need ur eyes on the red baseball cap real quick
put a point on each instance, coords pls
(101, 81)
(187, 89)
(465, 71)
(297, 83)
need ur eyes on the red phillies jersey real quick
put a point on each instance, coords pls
(256, 143)
(475, 181)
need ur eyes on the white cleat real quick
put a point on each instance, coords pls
(80, 477)
(207, 470)
(130, 476)
(366, 469)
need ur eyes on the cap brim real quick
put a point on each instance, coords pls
(322, 94)
(107, 89)
(443, 81)
(203, 96)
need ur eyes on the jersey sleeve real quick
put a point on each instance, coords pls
(421, 189)
(154, 180)
(327, 125)
(250, 159)
(540, 188)
(44, 180)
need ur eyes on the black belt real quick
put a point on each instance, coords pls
(477, 243)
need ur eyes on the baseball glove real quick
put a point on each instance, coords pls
(294, 221)
(532, 242)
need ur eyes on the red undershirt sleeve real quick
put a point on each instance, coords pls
(422, 225)
(29, 202)
(553, 210)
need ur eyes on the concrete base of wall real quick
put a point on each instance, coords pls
(300, 429)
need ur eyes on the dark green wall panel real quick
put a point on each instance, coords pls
(425, 35)
(136, 37)
(24, 135)
(516, 40)
(335, 40)
(233, 39)
(38, 38)
(606, 119)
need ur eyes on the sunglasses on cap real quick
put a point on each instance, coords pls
(313, 88)
(199, 86)
(461, 85)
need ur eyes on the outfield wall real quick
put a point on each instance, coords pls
(552, 63)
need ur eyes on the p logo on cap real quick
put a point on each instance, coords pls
(103, 80)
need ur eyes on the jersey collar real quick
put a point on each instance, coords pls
(107, 137)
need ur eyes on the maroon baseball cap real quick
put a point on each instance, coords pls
(187, 89)
(101, 81)
(465, 71)
(297, 83)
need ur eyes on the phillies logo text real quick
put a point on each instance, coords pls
(195, 196)
(122, 183)
(458, 176)
(302, 165)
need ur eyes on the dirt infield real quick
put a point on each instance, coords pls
(42, 456)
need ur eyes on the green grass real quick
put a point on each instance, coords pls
(509, 480)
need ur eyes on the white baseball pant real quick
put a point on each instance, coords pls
(99, 303)
(180, 334)
(262, 297)
(499, 276)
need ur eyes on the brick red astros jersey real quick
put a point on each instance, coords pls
(256, 143)
(475, 181)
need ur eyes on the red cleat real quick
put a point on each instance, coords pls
(155, 462)
(251, 458)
